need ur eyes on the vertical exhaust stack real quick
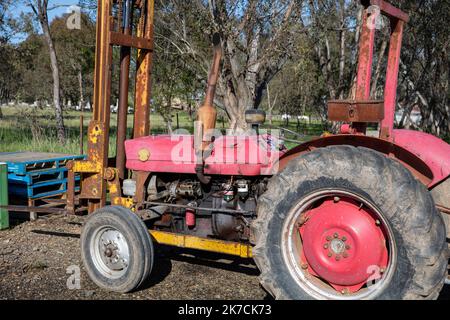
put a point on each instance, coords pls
(207, 113)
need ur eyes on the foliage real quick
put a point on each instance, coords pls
(305, 52)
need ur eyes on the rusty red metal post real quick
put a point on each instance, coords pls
(143, 73)
(94, 186)
(144, 60)
(365, 60)
(125, 58)
(390, 90)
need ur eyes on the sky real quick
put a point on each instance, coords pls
(60, 7)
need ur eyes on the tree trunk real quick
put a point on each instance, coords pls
(80, 83)
(271, 104)
(41, 13)
(377, 75)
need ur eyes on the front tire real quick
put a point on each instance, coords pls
(334, 213)
(117, 250)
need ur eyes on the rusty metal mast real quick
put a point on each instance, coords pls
(115, 28)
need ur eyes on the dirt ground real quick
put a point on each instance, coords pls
(35, 256)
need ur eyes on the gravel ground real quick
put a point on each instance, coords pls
(34, 257)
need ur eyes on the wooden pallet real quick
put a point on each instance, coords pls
(34, 176)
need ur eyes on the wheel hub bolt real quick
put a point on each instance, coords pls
(335, 235)
(325, 246)
(344, 238)
(330, 254)
(347, 247)
(108, 253)
(337, 199)
(304, 266)
(338, 258)
(345, 255)
(329, 238)
(378, 222)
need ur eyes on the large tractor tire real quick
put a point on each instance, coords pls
(117, 249)
(349, 223)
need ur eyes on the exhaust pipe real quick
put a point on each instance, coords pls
(207, 114)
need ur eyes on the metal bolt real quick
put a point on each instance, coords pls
(337, 199)
(325, 246)
(336, 235)
(329, 238)
(345, 291)
(108, 253)
(382, 270)
(345, 255)
(378, 222)
(338, 258)
(344, 238)
(304, 266)
(330, 254)
(347, 247)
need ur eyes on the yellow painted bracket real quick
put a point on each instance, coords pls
(124, 202)
(86, 166)
(213, 245)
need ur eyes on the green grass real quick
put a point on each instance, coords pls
(25, 129)
(18, 124)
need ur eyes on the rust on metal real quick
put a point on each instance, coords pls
(141, 126)
(40, 209)
(387, 9)
(360, 114)
(70, 205)
(207, 114)
(122, 39)
(125, 59)
(356, 111)
(364, 75)
(143, 73)
(93, 187)
(390, 90)
(114, 188)
(141, 178)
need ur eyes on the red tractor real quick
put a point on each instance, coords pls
(345, 216)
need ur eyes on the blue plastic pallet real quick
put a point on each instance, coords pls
(34, 175)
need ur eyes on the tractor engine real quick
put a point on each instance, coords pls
(223, 209)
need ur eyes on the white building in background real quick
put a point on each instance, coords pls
(303, 118)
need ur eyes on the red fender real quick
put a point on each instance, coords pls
(427, 157)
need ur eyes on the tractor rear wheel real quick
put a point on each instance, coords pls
(349, 223)
(117, 249)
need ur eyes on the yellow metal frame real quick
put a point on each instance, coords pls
(212, 245)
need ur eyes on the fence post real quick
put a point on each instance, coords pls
(4, 215)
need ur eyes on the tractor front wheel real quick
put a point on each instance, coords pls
(117, 249)
(349, 223)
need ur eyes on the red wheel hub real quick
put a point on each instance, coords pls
(343, 244)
